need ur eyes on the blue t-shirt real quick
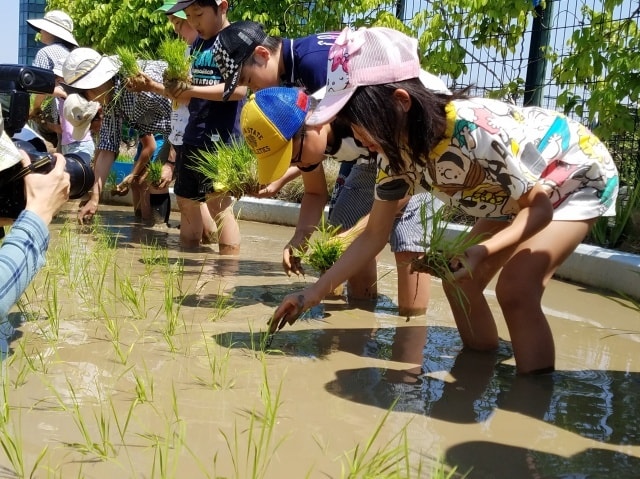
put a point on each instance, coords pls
(305, 60)
(209, 121)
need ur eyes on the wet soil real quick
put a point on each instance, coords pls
(136, 359)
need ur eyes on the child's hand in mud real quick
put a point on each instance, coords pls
(291, 263)
(292, 307)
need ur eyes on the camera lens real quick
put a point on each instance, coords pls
(80, 174)
(26, 78)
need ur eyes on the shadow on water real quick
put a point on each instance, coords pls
(597, 405)
(593, 404)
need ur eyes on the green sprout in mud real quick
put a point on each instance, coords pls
(102, 448)
(218, 367)
(11, 440)
(231, 167)
(173, 299)
(251, 455)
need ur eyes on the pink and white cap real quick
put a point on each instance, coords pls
(367, 56)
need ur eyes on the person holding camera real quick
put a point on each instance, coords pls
(22, 252)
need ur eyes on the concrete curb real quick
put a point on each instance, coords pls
(590, 265)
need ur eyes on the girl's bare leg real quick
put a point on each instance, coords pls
(413, 288)
(221, 209)
(521, 285)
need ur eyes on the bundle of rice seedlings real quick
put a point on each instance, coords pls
(231, 167)
(324, 249)
(441, 247)
(129, 67)
(173, 51)
(154, 173)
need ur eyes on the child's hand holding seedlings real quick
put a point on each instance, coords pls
(140, 82)
(174, 88)
(464, 266)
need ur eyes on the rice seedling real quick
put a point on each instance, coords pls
(154, 173)
(23, 370)
(168, 448)
(129, 67)
(231, 167)
(173, 51)
(221, 306)
(133, 296)
(323, 249)
(35, 360)
(52, 307)
(12, 445)
(441, 247)
(218, 366)
(254, 459)
(144, 386)
(153, 255)
(103, 448)
(173, 299)
(114, 328)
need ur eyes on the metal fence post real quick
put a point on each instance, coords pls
(537, 64)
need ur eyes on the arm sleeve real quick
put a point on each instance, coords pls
(21, 256)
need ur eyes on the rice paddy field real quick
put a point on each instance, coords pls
(132, 358)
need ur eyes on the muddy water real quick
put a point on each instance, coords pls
(138, 360)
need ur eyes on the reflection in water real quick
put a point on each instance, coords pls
(596, 405)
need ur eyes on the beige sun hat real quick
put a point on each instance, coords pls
(85, 68)
(57, 23)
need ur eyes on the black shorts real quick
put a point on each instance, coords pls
(189, 183)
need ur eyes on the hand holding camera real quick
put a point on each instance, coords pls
(16, 83)
(46, 194)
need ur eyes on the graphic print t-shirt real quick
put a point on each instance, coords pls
(209, 121)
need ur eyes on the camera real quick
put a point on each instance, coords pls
(17, 82)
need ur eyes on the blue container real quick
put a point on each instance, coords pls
(121, 170)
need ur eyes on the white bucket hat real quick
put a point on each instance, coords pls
(80, 113)
(57, 23)
(85, 68)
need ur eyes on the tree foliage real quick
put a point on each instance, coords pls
(603, 59)
(104, 25)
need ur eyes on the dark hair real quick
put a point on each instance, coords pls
(271, 43)
(208, 3)
(418, 130)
